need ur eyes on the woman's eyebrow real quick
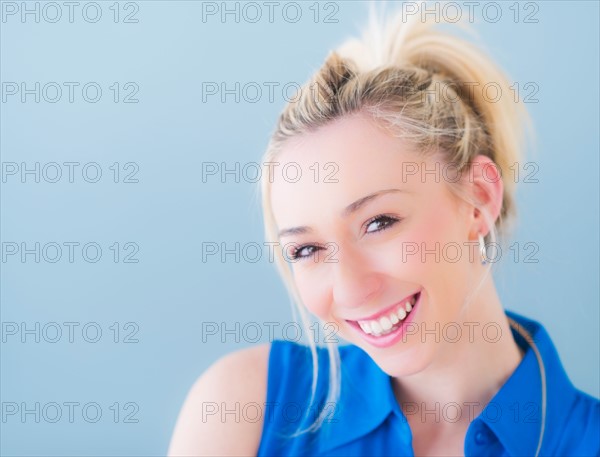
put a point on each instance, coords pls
(351, 208)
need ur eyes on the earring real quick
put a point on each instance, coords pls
(482, 252)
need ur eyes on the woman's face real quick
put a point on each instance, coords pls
(372, 224)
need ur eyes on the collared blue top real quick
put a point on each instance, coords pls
(368, 421)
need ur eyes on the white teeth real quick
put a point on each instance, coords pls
(386, 324)
(376, 326)
(366, 327)
(401, 313)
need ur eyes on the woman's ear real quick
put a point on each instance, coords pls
(487, 190)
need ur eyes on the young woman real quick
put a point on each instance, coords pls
(401, 156)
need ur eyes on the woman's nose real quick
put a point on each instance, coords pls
(355, 282)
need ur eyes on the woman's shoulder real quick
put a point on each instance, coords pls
(587, 405)
(243, 359)
(584, 424)
(297, 349)
(292, 364)
(290, 369)
(221, 403)
(241, 373)
(292, 359)
(573, 421)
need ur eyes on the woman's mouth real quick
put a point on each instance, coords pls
(388, 327)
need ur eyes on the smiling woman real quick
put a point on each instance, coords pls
(393, 254)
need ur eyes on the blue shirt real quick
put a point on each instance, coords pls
(368, 421)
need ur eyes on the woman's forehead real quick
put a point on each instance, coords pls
(349, 149)
(324, 171)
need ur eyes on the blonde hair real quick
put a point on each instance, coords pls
(420, 84)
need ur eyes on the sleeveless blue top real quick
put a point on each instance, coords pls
(368, 421)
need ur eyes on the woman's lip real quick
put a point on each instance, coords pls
(385, 311)
(385, 341)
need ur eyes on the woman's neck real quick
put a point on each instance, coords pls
(468, 372)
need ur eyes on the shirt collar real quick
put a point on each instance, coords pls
(364, 401)
(514, 414)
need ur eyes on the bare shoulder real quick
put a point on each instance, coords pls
(219, 415)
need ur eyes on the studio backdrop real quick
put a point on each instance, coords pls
(133, 253)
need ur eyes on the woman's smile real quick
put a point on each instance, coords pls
(389, 326)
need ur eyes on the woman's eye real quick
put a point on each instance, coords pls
(380, 223)
(303, 252)
(306, 251)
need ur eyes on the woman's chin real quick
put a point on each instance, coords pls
(399, 362)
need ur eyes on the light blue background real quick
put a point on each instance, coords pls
(170, 212)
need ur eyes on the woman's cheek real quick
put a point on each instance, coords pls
(406, 257)
(314, 291)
